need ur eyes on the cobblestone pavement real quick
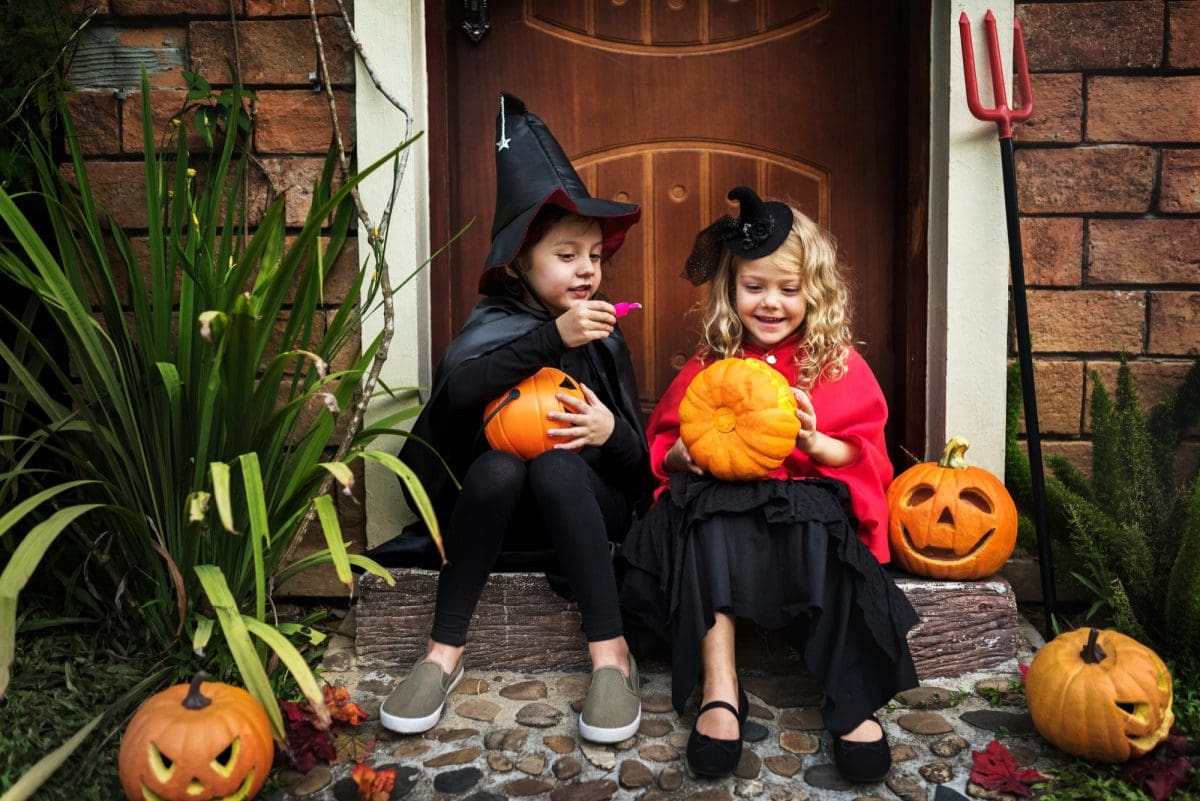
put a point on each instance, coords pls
(513, 735)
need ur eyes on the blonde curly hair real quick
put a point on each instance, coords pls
(825, 340)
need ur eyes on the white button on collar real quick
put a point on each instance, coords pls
(770, 359)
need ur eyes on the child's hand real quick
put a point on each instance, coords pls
(806, 440)
(584, 322)
(591, 424)
(678, 460)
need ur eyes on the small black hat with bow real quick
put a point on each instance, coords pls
(532, 171)
(759, 229)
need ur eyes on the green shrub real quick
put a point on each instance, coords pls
(1131, 533)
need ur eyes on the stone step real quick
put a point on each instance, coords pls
(521, 624)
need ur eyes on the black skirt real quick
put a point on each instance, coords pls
(784, 555)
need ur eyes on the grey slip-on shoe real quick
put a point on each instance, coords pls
(417, 702)
(613, 709)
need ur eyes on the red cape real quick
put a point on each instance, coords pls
(851, 409)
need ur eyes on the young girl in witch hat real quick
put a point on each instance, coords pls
(801, 549)
(550, 244)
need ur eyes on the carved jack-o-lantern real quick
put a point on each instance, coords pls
(1100, 695)
(950, 520)
(516, 421)
(197, 742)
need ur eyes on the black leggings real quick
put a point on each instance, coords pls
(578, 509)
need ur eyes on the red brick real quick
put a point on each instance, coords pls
(1179, 191)
(298, 122)
(1175, 323)
(1063, 37)
(339, 277)
(276, 52)
(166, 44)
(164, 107)
(1108, 178)
(1059, 395)
(296, 177)
(175, 8)
(1183, 46)
(81, 8)
(1143, 251)
(292, 8)
(1154, 381)
(1057, 105)
(1086, 321)
(119, 187)
(1077, 452)
(94, 115)
(1187, 462)
(1053, 248)
(1143, 109)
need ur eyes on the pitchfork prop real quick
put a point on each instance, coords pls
(1004, 117)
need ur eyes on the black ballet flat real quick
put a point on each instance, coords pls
(863, 762)
(713, 758)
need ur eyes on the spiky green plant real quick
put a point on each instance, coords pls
(1133, 523)
(192, 420)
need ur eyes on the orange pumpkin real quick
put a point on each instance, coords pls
(1100, 695)
(738, 419)
(197, 742)
(950, 520)
(516, 421)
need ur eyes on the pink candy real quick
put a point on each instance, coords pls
(622, 309)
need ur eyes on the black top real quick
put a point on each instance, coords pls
(518, 341)
(476, 383)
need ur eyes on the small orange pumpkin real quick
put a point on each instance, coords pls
(950, 520)
(516, 421)
(1100, 695)
(200, 742)
(738, 419)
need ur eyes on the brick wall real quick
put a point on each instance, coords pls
(1108, 174)
(277, 54)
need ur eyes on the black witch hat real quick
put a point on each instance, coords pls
(531, 172)
(760, 228)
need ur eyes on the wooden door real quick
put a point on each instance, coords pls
(669, 103)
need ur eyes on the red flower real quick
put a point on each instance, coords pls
(306, 744)
(373, 785)
(341, 708)
(995, 769)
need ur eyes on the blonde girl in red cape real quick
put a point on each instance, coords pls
(800, 550)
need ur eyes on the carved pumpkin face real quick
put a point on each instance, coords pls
(516, 421)
(203, 742)
(1100, 695)
(738, 419)
(949, 520)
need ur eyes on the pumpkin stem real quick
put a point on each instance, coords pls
(1092, 653)
(952, 456)
(195, 699)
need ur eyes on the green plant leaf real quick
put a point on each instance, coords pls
(293, 660)
(17, 572)
(333, 536)
(237, 637)
(416, 492)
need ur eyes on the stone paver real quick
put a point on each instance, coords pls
(514, 735)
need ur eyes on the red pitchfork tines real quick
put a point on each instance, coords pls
(1002, 115)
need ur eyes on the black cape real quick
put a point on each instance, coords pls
(458, 437)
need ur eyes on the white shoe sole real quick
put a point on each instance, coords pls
(416, 725)
(596, 734)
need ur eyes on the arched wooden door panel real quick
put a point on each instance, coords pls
(669, 103)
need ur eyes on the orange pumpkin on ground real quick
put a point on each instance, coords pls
(738, 419)
(949, 520)
(1100, 695)
(516, 421)
(197, 742)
